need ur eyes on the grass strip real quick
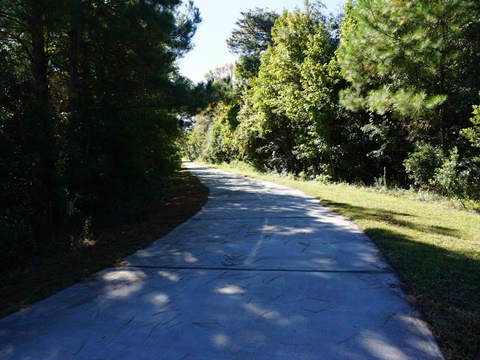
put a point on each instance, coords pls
(434, 249)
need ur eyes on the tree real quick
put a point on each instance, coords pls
(403, 60)
(211, 136)
(287, 116)
(250, 39)
(407, 64)
(25, 34)
(89, 112)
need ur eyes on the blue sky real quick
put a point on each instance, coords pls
(219, 17)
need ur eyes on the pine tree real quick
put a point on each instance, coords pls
(250, 39)
(405, 60)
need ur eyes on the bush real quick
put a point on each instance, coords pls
(458, 177)
(421, 165)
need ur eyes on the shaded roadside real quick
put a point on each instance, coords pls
(41, 279)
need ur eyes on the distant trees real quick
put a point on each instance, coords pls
(89, 105)
(211, 136)
(386, 95)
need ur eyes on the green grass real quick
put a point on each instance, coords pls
(434, 248)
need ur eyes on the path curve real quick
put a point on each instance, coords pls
(261, 272)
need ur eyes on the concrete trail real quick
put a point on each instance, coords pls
(262, 272)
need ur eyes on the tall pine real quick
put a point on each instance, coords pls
(412, 61)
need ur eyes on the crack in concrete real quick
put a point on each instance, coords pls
(239, 269)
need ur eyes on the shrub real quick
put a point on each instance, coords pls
(422, 164)
(457, 177)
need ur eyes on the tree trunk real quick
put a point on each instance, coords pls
(72, 78)
(39, 60)
(46, 194)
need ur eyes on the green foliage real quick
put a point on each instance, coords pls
(286, 116)
(448, 178)
(422, 163)
(454, 176)
(410, 65)
(388, 103)
(253, 33)
(458, 177)
(472, 134)
(251, 38)
(211, 136)
(406, 60)
(90, 101)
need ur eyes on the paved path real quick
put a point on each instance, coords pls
(262, 272)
